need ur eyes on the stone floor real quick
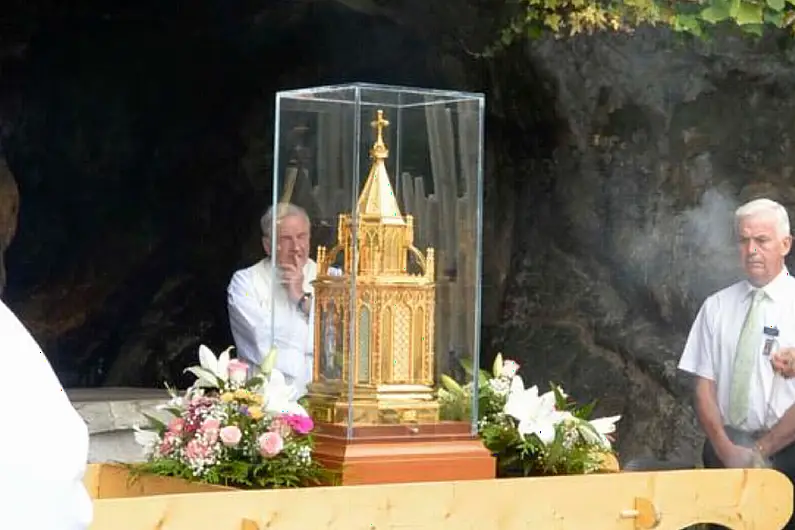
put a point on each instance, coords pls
(111, 413)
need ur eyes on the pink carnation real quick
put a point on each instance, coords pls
(230, 435)
(270, 444)
(169, 443)
(198, 450)
(176, 425)
(210, 430)
(281, 427)
(300, 423)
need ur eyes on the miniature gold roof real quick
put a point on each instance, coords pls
(378, 199)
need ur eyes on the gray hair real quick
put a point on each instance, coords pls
(761, 207)
(284, 209)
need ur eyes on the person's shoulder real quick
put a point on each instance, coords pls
(728, 296)
(244, 274)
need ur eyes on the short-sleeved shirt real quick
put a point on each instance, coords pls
(712, 344)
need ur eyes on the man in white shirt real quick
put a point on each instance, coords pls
(744, 406)
(262, 298)
(44, 447)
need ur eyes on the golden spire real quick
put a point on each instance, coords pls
(378, 198)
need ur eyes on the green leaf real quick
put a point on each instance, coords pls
(748, 13)
(754, 29)
(466, 365)
(715, 13)
(776, 5)
(451, 385)
(496, 368)
(269, 361)
(774, 18)
(156, 423)
(689, 23)
(483, 378)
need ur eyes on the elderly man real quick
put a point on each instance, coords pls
(261, 296)
(44, 447)
(744, 419)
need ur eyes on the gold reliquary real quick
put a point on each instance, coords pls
(374, 313)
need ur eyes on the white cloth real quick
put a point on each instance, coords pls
(711, 347)
(44, 446)
(253, 295)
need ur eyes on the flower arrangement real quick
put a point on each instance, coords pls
(232, 429)
(528, 432)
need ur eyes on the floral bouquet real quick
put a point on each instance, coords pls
(232, 429)
(530, 434)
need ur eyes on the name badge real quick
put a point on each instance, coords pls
(771, 342)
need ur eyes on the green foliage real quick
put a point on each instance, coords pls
(534, 18)
(242, 472)
(569, 453)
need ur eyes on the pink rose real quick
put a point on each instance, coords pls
(237, 371)
(509, 369)
(176, 425)
(230, 435)
(270, 444)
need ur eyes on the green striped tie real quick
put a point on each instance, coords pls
(745, 360)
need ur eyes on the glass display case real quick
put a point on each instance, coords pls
(391, 180)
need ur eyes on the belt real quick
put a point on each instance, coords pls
(735, 434)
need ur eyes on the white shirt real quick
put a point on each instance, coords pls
(253, 295)
(712, 343)
(44, 446)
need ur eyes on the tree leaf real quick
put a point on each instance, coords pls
(774, 18)
(753, 29)
(749, 14)
(715, 13)
(776, 5)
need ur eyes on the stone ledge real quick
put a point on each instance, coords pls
(114, 409)
(110, 414)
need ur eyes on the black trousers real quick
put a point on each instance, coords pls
(783, 461)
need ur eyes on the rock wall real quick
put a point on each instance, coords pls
(628, 228)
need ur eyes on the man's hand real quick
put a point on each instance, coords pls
(783, 362)
(293, 279)
(736, 456)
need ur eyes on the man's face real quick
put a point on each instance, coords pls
(762, 248)
(292, 241)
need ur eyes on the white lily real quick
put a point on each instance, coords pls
(146, 439)
(281, 397)
(536, 414)
(596, 431)
(212, 370)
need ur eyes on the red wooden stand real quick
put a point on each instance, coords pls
(381, 454)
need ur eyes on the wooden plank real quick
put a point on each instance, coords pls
(113, 481)
(407, 195)
(438, 174)
(423, 212)
(739, 499)
(91, 480)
